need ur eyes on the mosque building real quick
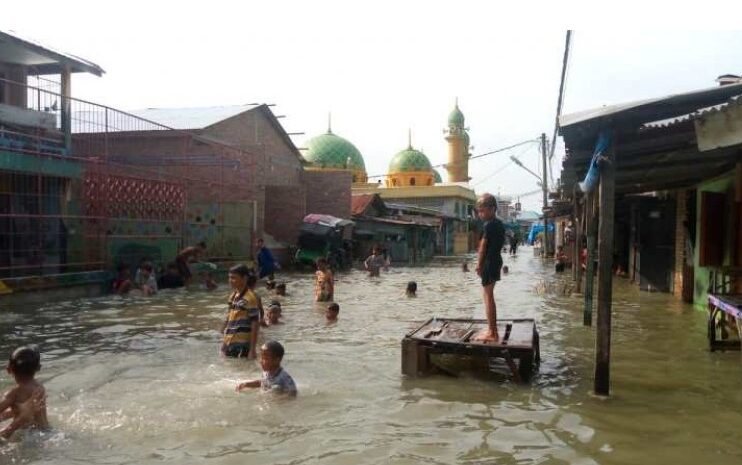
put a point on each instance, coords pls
(411, 186)
(329, 151)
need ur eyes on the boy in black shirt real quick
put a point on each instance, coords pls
(490, 262)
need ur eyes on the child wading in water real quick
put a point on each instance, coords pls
(489, 261)
(275, 379)
(324, 284)
(375, 262)
(25, 403)
(243, 315)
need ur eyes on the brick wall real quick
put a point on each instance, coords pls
(679, 246)
(285, 208)
(277, 162)
(328, 192)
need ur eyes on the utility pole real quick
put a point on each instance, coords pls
(545, 188)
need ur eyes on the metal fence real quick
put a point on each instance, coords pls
(87, 187)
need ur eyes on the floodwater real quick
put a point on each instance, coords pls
(136, 381)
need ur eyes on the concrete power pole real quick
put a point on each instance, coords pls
(545, 188)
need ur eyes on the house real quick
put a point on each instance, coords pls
(678, 184)
(42, 230)
(284, 191)
(409, 239)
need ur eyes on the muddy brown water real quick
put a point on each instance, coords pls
(140, 381)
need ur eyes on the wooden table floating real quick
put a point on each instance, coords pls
(518, 345)
(724, 308)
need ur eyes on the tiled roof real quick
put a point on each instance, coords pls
(359, 203)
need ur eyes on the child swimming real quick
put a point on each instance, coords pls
(324, 284)
(25, 403)
(411, 290)
(145, 279)
(332, 312)
(281, 289)
(272, 314)
(122, 284)
(240, 331)
(275, 379)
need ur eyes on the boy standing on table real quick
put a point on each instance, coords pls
(489, 262)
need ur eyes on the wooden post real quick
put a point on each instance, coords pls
(605, 272)
(574, 252)
(591, 230)
(579, 223)
(545, 188)
(66, 106)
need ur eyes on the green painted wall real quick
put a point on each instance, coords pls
(723, 184)
(13, 161)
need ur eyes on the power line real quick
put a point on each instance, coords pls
(503, 149)
(502, 168)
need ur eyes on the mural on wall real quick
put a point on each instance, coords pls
(225, 227)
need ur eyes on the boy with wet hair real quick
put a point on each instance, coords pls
(25, 403)
(275, 379)
(489, 262)
(332, 312)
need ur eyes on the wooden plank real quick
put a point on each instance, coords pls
(605, 274)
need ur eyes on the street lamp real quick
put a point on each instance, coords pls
(542, 183)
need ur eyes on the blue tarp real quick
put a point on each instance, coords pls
(593, 173)
(537, 228)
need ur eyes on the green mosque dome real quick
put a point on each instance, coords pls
(409, 160)
(456, 118)
(331, 151)
(437, 177)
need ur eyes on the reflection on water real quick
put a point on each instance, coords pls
(140, 380)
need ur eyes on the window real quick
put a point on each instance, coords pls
(412, 181)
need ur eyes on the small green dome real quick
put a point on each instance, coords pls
(409, 159)
(456, 118)
(331, 151)
(437, 177)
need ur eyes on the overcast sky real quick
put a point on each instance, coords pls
(380, 67)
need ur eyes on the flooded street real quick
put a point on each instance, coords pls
(140, 381)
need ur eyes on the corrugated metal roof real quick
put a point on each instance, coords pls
(655, 109)
(700, 113)
(15, 45)
(191, 118)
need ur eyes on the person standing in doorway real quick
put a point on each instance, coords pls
(489, 262)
